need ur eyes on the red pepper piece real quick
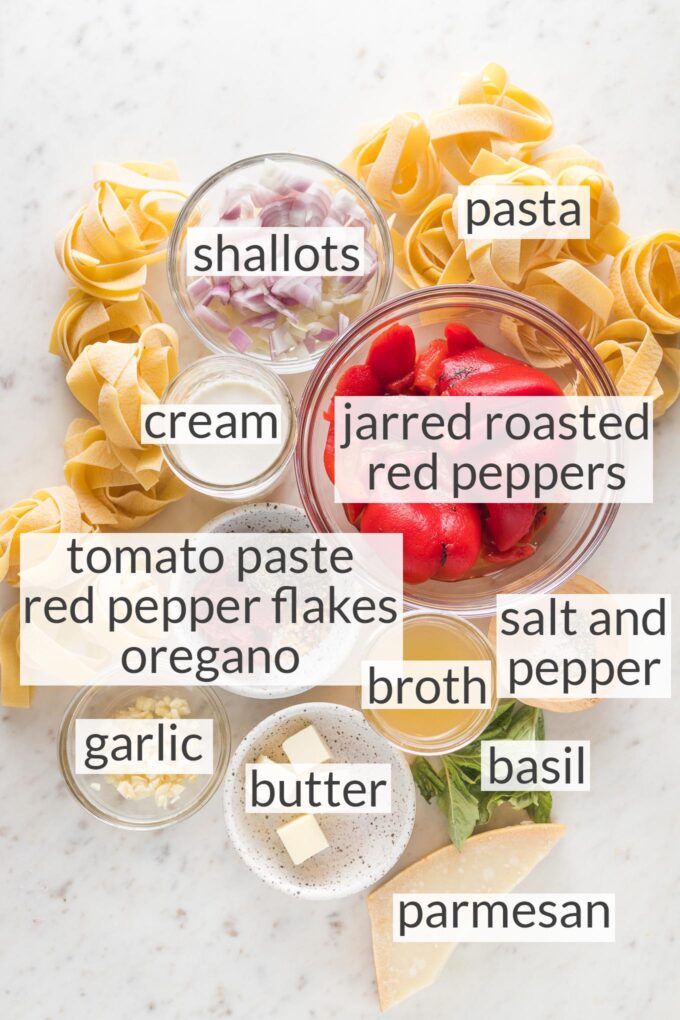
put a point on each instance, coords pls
(419, 523)
(461, 531)
(329, 453)
(507, 524)
(459, 338)
(353, 512)
(392, 355)
(504, 559)
(481, 372)
(428, 366)
(357, 381)
(401, 385)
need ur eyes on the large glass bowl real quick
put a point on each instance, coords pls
(517, 326)
(203, 209)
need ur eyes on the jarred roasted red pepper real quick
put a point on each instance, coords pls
(444, 540)
(473, 370)
(429, 366)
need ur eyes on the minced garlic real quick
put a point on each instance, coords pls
(165, 789)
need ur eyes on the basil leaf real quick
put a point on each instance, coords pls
(523, 724)
(428, 781)
(457, 788)
(541, 809)
(459, 803)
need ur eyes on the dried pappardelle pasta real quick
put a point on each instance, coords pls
(645, 281)
(83, 320)
(572, 166)
(397, 164)
(639, 365)
(489, 113)
(107, 246)
(504, 262)
(490, 135)
(572, 291)
(109, 494)
(12, 693)
(432, 252)
(113, 381)
(46, 512)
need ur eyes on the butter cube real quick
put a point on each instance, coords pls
(305, 748)
(264, 759)
(302, 838)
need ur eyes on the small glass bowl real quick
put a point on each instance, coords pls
(100, 797)
(445, 743)
(202, 208)
(508, 322)
(183, 390)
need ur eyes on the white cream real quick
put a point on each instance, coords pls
(230, 463)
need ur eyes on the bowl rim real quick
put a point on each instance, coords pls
(603, 515)
(293, 365)
(267, 506)
(237, 761)
(222, 744)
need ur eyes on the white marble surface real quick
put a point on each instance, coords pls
(107, 924)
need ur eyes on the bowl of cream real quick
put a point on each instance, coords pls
(230, 427)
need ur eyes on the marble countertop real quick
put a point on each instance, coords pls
(102, 923)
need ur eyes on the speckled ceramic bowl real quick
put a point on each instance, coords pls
(274, 518)
(363, 847)
(277, 518)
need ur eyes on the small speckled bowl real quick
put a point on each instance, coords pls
(363, 847)
(274, 518)
(277, 518)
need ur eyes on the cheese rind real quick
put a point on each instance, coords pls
(305, 748)
(491, 862)
(303, 838)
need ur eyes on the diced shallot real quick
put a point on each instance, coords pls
(221, 291)
(280, 340)
(199, 289)
(240, 339)
(288, 311)
(212, 319)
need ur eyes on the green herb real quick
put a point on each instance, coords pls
(456, 788)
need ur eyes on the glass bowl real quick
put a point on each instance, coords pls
(185, 388)
(508, 322)
(476, 646)
(204, 208)
(100, 797)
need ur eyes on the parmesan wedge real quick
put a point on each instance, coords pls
(491, 862)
